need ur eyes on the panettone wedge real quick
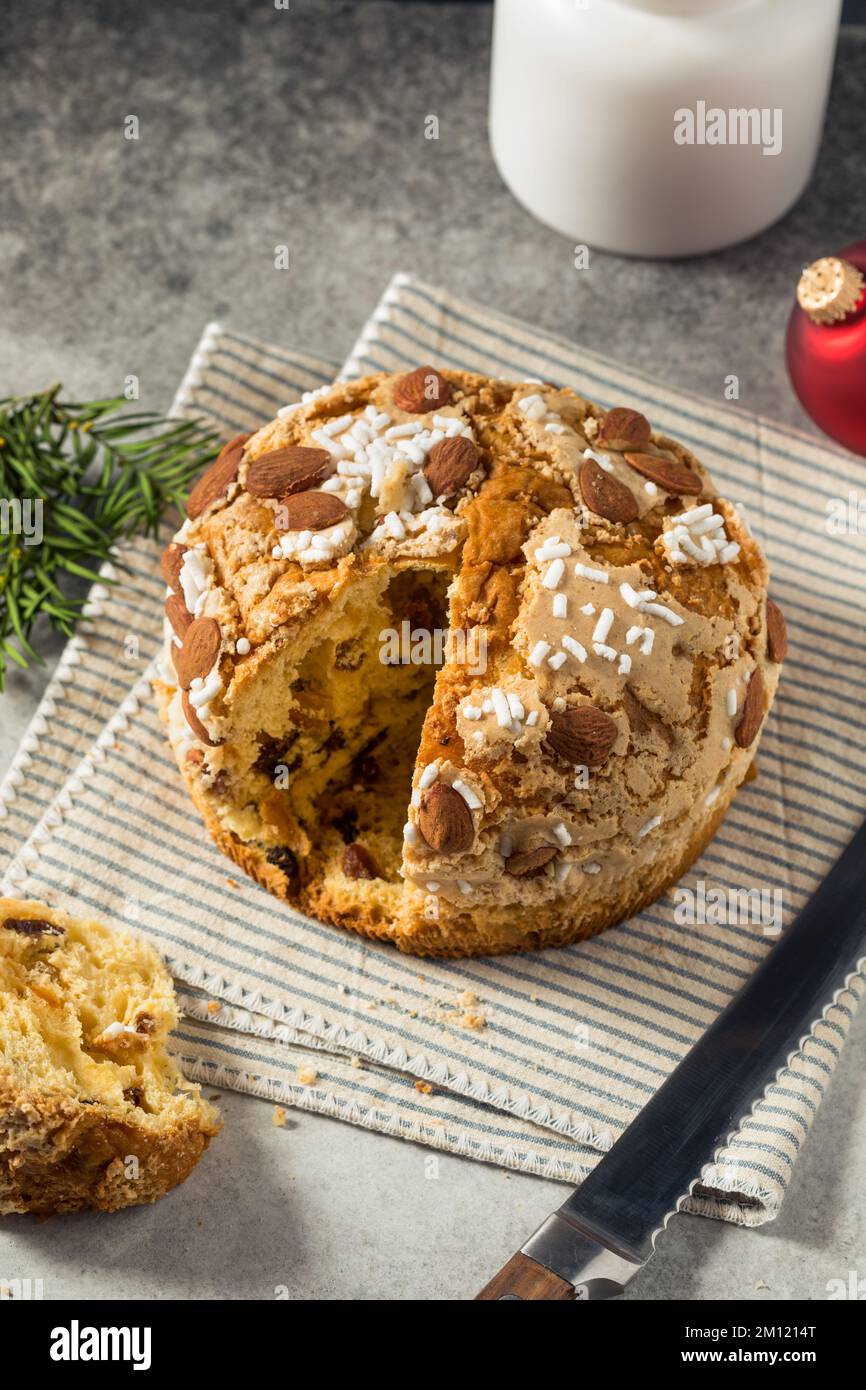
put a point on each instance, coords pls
(93, 1111)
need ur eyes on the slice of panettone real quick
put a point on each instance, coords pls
(93, 1110)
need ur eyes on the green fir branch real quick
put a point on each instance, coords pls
(102, 472)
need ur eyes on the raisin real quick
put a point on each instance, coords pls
(283, 859)
(358, 862)
(275, 753)
(146, 1024)
(364, 767)
(269, 756)
(336, 739)
(32, 926)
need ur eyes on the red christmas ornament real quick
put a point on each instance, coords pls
(826, 345)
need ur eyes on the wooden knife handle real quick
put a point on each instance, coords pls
(525, 1278)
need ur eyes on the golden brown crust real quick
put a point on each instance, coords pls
(58, 1155)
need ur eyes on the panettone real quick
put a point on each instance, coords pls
(466, 664)
(93, 1111)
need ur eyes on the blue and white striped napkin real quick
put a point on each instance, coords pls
(573, 1042)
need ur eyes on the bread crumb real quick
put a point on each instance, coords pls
(232, 883)
(476, 1022)
(467, 999)
(356, 1063)
(307, 1076)
(213, 1006)
(279, 1117)
(424, 1087)
(761, 1285)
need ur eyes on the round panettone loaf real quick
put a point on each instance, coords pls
(466, 664)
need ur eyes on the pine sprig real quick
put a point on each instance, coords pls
(101, 472)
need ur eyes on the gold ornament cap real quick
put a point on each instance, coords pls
(829, 289)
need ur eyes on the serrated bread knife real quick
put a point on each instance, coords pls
(606, 1230)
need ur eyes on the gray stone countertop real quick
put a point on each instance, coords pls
(306, 127)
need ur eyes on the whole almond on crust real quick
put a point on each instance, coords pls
(422, 390)
(178, 614)
(313, 511)
(449, 464)
(777, 632)
(624, 429)
(606, 495)
(170, 564)
(358, 862)
(445, 820)
(582, 736)
(753, 711)
(198, 651)
(215, 482)
(530, 862)
(667, 472)
(285, 471)
(195, 723)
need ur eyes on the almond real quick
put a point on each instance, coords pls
(170, 565)
(624, 429)
(449, 464)
(666, 471)
(777, 632)
(530, 863)
(753, 711)
(195, 723)
(422, 390)
(445, 820)
(358, 862)
(606, 495)
(583, 736)
(284, 471)
(214, 484)
(178, 615)
(198, 652)
(313, 511)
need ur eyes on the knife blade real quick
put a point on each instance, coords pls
(607, 1229)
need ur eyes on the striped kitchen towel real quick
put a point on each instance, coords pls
(534, 1062)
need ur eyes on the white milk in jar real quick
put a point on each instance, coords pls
(660, 127)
